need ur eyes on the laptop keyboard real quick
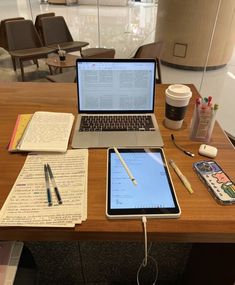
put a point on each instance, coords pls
(116, 123)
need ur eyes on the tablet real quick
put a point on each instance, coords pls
(153, 195)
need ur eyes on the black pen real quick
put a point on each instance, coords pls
(57, 193)
(47, 186)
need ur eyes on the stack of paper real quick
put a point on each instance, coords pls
(42, 131)
(19, 129)
(27, 203)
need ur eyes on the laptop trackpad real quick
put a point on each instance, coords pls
(109, 139)
(149, 139)
(86, 140)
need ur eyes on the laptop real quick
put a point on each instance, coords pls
(116, 104)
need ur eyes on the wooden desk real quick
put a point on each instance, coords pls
(202, 219)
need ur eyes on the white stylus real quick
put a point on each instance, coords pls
(125, 166)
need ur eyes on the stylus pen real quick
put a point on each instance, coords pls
(181, 176)
(125, 166)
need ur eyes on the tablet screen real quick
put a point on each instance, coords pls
(153, 194)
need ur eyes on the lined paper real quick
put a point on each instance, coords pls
(47, 131)
(27, 205)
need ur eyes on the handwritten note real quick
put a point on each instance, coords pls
(47, 131)
(27, 203)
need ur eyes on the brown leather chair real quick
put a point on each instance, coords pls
(24, 42)
(38, 23)
(152, 50)
(56, 33)
(98, 53)
(70, 76)
(3, 38)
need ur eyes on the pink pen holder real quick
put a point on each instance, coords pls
(202, 122)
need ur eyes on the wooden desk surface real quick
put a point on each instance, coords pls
(202, 219)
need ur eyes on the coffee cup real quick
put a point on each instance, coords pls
(177, 100)
(62, 54)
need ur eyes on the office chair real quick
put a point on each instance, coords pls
(24, 42)
(152, 50)
(70, 76)
(56, 32)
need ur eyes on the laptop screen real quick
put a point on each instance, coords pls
(116, 85)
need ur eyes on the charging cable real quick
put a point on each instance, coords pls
(145, 261)
(182, 149)
(147, 257)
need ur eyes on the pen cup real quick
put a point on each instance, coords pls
(202, 123)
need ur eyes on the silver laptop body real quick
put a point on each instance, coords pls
(120, 88)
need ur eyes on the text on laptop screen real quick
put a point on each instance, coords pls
(116, 85)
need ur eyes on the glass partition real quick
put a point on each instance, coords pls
(15, 8)
(220, 83)
(198, 40)
(127, 26)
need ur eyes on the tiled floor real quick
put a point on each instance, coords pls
(124, 28)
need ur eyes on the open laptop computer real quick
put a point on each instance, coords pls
(116, 104)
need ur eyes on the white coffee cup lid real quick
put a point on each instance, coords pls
(179, 90)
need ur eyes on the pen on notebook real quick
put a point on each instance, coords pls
(47, 186)
(57, 193)
(181, 176)
(125, 166)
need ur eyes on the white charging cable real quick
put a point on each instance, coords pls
(147, 257)
(145, 261)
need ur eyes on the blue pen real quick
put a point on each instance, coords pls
(47, 186)
(57, 193)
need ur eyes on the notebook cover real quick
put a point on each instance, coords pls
(20, 126)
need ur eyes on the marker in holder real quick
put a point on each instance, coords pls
(203, 120)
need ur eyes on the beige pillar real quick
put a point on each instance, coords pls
(185, 27)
